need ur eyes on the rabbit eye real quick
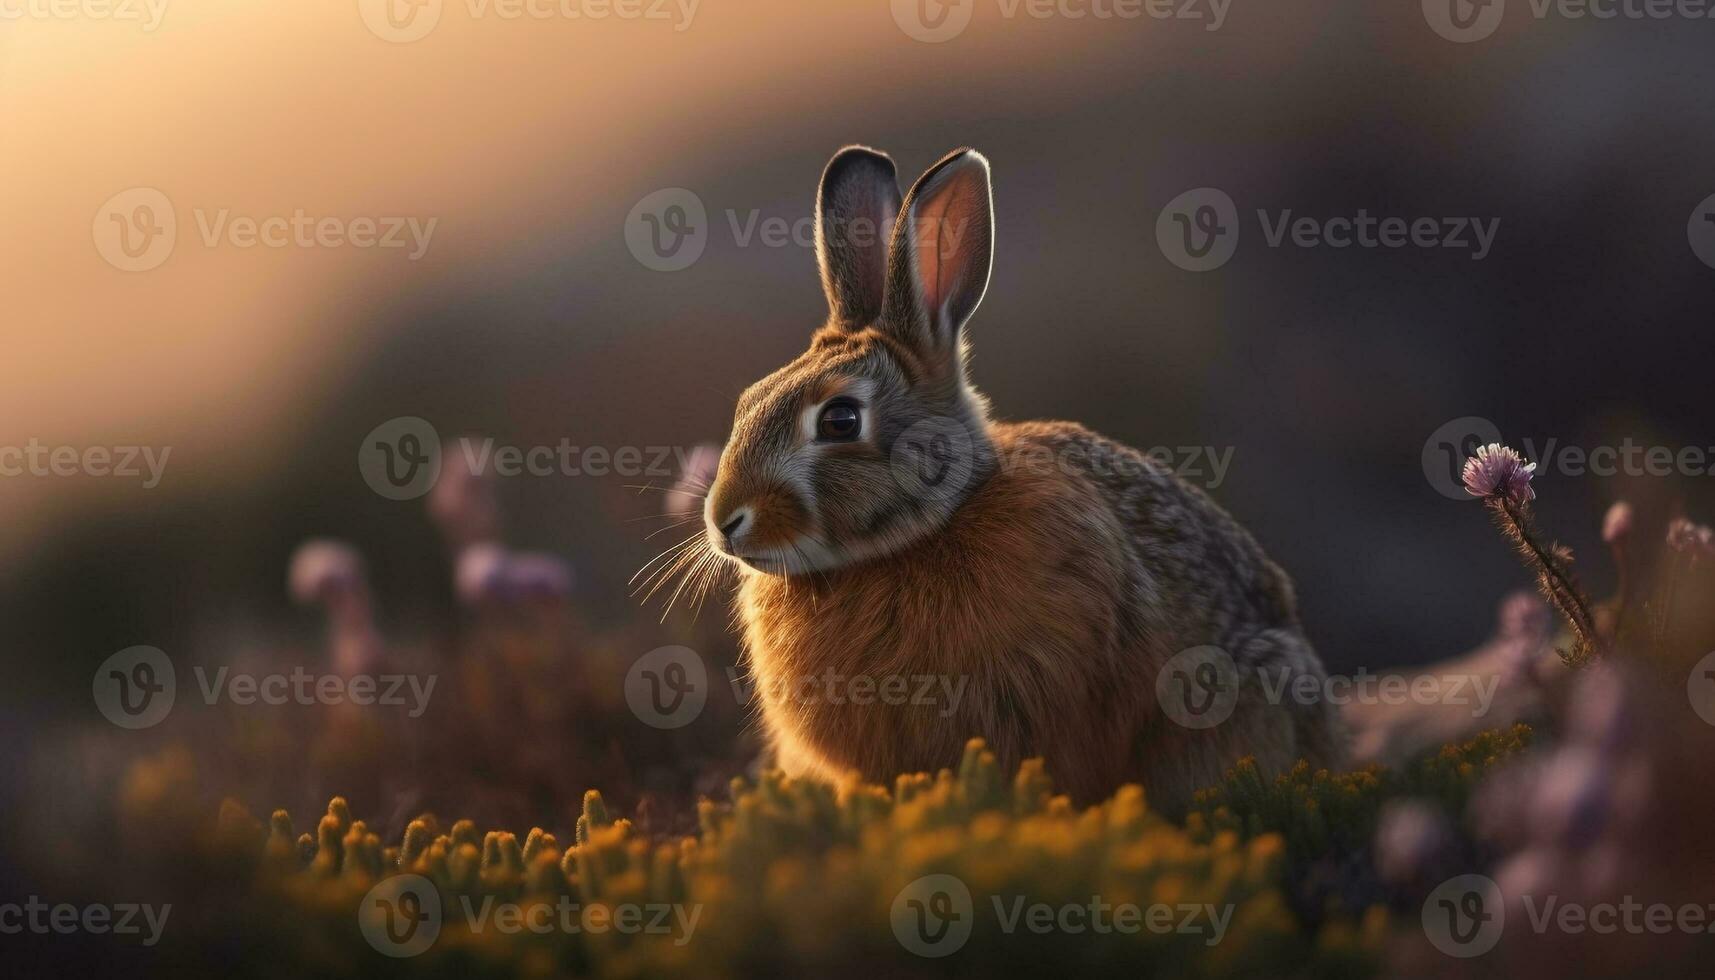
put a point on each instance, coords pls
(839, 422)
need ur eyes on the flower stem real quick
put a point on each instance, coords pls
(1556, 583)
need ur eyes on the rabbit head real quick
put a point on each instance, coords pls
(872, 438)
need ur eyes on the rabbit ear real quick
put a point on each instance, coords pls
(856, 207)
(943, 248)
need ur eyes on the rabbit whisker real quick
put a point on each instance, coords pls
(667, 551)
(662, 530)
(672, 569)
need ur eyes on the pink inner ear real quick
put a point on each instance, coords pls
(950, 225)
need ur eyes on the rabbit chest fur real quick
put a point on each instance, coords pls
(1039, 618)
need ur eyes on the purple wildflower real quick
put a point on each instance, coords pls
(1602, 713)
(463, 502)
(480, 573)
(488, 574)
(1498, 471)
(330, 574)
(1695, 539)
(1411, 838)
(322, 570)
(1522, 616)
(686, 497)
(1618, 523)
(1572, 802)
(535, 575)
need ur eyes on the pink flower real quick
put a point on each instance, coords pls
(686, 497)
(324, 571)
(463, 502)
(491, 574)
(1684, 536)
(1411, 838)
(1618, 523)
(331, 574)
(1498, 472)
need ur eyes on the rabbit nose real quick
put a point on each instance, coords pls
(734, 525)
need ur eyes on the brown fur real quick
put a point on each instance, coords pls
(1051, 584)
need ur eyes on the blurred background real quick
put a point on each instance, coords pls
(528, 317)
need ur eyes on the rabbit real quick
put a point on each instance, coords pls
(915, 572)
